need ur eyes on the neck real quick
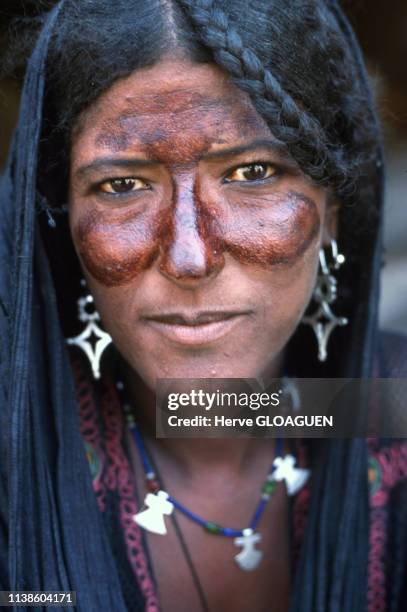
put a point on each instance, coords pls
(195, 456)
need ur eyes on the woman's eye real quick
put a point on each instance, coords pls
(123, 185)
(251, 172)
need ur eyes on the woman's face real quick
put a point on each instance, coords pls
(197, 233)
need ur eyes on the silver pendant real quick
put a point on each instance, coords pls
(323, 321)
(152, 519)
(295, 478)
(92, 330)
(249, 557)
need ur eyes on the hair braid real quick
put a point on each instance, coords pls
(290, 123)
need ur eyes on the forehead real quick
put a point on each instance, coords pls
(173, 111)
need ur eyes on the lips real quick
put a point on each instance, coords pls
(195, 328)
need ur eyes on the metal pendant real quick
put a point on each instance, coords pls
(249, 557)
(93, 350)
(152, 519)
(295, 478)
(323, 320)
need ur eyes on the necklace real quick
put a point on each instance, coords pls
(158, 503)
(185, 549)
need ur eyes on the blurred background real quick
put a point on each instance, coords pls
(382, 31)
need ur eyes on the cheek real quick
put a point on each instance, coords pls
(274, 231)
(114, 251)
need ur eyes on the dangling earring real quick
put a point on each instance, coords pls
(95, 350)
(323, 321)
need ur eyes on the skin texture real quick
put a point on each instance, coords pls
(192, 239)
(198, 272)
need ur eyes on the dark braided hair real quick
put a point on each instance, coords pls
(304, 135)
(293, 61)
(298, 63)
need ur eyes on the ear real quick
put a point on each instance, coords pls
(330, 229)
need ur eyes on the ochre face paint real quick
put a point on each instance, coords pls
(178, 127)
(189, 227)
(277, 235)
(190, 238)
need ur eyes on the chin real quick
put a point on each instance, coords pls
(190, 370)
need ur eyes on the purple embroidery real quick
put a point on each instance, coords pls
(90, 430)
(119, 476)
(387, 467)
(115, 475)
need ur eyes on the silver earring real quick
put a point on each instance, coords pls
(93, 350)
(323, 321)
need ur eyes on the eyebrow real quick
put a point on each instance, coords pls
(272, 145)
(107, 163)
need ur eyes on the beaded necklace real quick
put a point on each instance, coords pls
(158, 503)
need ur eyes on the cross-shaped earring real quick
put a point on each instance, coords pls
(323, 320)
(92, 340)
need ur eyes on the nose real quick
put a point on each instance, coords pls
(191, 249)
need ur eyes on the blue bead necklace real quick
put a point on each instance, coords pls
(159, 503)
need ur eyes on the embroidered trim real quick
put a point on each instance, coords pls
(90, 432)
(387, 467)
(110, 470)
(390, 465)
(374, 475)
(119, 477)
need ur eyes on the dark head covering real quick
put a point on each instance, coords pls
(48, 510)
(51, 532)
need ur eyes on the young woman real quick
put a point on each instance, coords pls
(190, 163)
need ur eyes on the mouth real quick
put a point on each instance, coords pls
(194, 329)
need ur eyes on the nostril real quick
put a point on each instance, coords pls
(186, 259)
(191, 259)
